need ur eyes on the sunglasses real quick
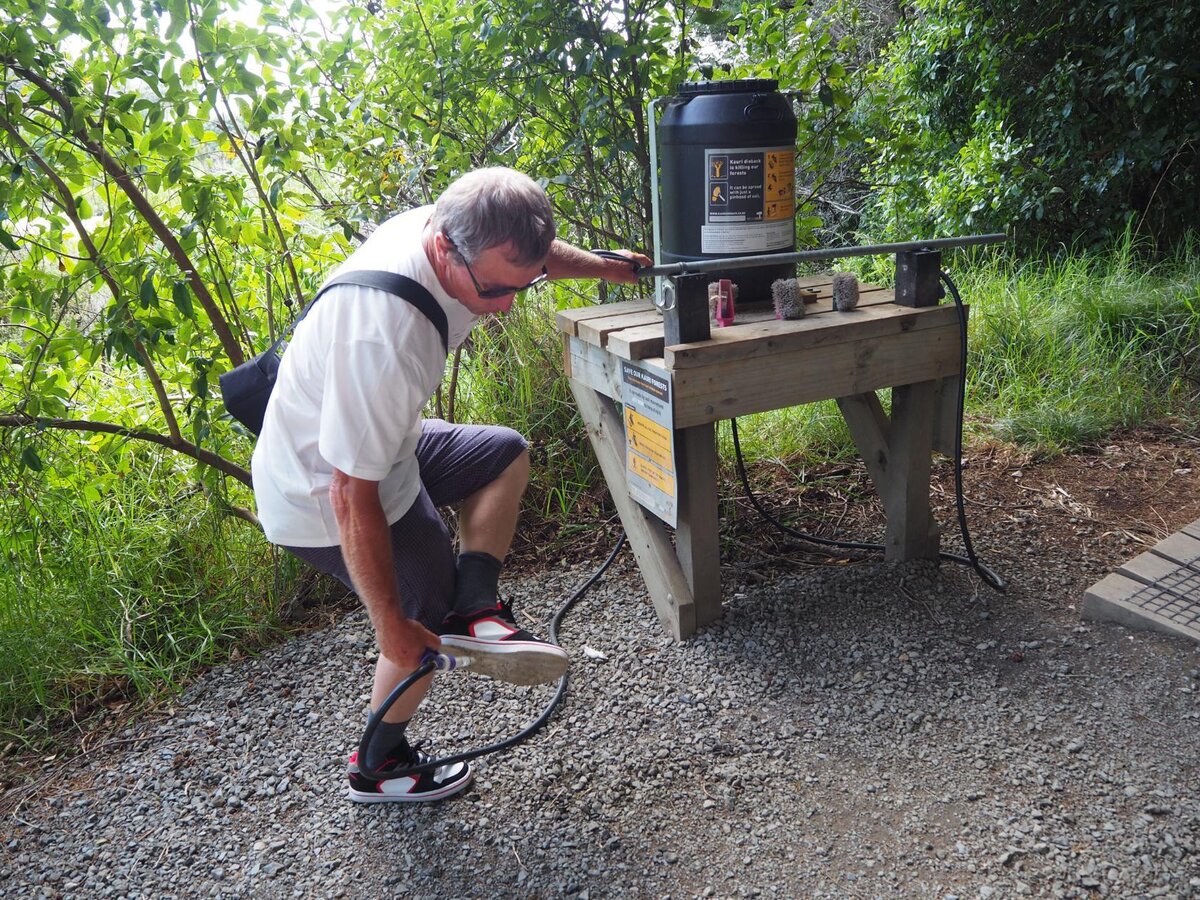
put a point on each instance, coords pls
(494, 293)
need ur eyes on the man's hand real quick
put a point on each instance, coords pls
(404, 641)
(619, 272)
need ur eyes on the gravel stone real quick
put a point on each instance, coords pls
(862, 730)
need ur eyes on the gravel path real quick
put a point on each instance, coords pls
(856, 731)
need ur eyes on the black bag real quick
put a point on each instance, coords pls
(247, 388)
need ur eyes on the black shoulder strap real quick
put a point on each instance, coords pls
(399, 285)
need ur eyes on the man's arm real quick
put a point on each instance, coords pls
(367, 550)
(567, 261)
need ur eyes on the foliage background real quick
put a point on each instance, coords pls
(178, 175)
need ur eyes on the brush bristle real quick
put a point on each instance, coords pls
(788, 299)
(845, 291)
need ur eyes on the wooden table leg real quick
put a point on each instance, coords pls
(670, 589)
(697, 537)
(897, 452)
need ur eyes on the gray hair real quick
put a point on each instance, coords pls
(489, 207)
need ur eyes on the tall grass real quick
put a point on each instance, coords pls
(121, 578)
(1065, 352)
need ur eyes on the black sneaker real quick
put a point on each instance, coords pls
(444, 781)
(499, 649)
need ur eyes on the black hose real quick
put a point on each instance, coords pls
(425, 668)
(989, 577)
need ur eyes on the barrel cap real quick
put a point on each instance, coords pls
(731, 86)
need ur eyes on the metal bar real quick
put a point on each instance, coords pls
(655, 211)
(766, 259)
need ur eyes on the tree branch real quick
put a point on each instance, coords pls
(20, 420)
(238, 142)
(72, 211)
(142, 204)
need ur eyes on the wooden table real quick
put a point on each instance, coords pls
(759, 364)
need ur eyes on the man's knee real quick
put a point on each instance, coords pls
(512, 443)
(518, 469)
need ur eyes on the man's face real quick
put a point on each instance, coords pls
(491, 270)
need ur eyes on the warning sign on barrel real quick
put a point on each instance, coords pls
(751, 202)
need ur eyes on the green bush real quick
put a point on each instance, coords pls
(1070, 121)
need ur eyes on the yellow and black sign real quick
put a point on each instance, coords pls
(663, 481)
(752, 185)
(780, 186)
(650, 439)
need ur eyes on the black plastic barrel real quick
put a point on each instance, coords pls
(727, 156)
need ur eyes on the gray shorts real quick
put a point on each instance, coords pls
(455, 462)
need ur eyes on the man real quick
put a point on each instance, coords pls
(348, 476)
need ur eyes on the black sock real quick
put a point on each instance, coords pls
(477, 585)
(386, 738)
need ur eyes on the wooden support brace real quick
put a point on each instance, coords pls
(897, 453)
(945, 414)
(669, 588)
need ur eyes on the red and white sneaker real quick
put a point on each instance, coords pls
(499, 649)
(442, 782)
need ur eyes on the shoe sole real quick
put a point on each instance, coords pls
(429, 796)
(514, 662)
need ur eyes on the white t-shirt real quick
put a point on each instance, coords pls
(359, 369)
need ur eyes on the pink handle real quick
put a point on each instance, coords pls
(725, 307)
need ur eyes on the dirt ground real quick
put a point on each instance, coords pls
(1105, 504)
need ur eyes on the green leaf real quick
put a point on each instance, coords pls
(7, 240)
(181, 296)
(31, 460)
(146, 294)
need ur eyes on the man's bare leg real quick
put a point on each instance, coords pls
(487, 520)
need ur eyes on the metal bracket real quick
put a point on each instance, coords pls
(918, 281)
(688, 318)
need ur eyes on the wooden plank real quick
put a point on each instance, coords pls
(1193, 529)
(871, 430)
(637, 343)
(711, 393)
(697, 538)
(767, 337)
(596, 331)
(1148, 568)
(1179, 547)
(1108, 600)
(648, 537)
(592, 366)
(868, 294)
(896, 453)
(567, 319)
(945, 415)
